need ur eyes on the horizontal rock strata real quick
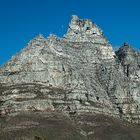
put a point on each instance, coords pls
(79, 73)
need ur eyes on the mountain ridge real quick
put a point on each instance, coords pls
(75, 75)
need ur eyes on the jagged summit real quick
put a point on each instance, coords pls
(79, 30)
(84, 30)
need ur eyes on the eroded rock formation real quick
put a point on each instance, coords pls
(74, 75)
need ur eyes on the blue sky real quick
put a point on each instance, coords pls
(21, 20)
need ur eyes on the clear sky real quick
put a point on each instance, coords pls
(21, 20)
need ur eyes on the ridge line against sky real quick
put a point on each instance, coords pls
(21, 20)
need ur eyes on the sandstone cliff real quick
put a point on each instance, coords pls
(75, 75)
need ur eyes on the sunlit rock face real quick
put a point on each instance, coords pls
(77, 74)
(82, 30)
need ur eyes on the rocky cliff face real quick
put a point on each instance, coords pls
(74, 75)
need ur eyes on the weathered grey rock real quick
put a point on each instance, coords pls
(77, 74)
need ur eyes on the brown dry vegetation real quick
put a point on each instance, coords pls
(57, 126)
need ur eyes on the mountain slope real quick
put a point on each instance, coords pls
(75, 75)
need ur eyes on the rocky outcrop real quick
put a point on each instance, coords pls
(75, 75)
(130, 62)
(64, 64)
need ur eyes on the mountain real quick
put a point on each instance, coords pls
(71, 88)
